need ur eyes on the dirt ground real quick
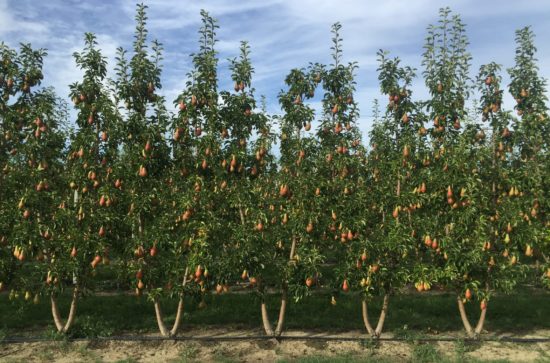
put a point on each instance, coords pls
(270, 351)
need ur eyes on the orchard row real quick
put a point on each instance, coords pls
(197, 201)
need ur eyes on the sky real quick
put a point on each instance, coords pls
(283, 34)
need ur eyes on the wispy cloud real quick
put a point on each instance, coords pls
(283, 34)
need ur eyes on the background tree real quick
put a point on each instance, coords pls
(144, 159)
(33, 124)
(88, 194)
(339, 168)
(455, 193)
(10, 127)
(249, 179)
(531, 145)
(292, 257)
(198, 232)
(381, 261)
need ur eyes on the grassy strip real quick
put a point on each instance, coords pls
(408, 314)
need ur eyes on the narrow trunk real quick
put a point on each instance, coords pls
(282, 313)
(382, 317)
(284, 297)
(241, 214)
(375, 333)
(179, 314)
(160, 320)
(464, 317)
(72, 313)
(481, 321)
(292, 249)
(265, 319)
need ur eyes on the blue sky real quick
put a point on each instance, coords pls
(283, 34)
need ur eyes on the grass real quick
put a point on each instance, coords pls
(409, 315)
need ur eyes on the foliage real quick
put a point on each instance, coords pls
(449, 191)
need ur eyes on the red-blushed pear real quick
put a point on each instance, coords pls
(177, 134)
(142, 171)
(483, 304)
(153, 252)
(423, 188)
(198, 271)
(96, 261)
(309, 281)
(345, 286)
(73, 252)
(395, 212)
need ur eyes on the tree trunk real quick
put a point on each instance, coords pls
(160, 319)
(481, 321)
(375, 333)
(370, 330)
(284, 301)
(464, 317)
(63, 328)
(282, 313)
(265, 319)
(472, 333)
(179, 313)
(382, 317)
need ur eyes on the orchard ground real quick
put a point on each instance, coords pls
(412, 316)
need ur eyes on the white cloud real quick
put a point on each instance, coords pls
(15, 22)
(283, 34)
